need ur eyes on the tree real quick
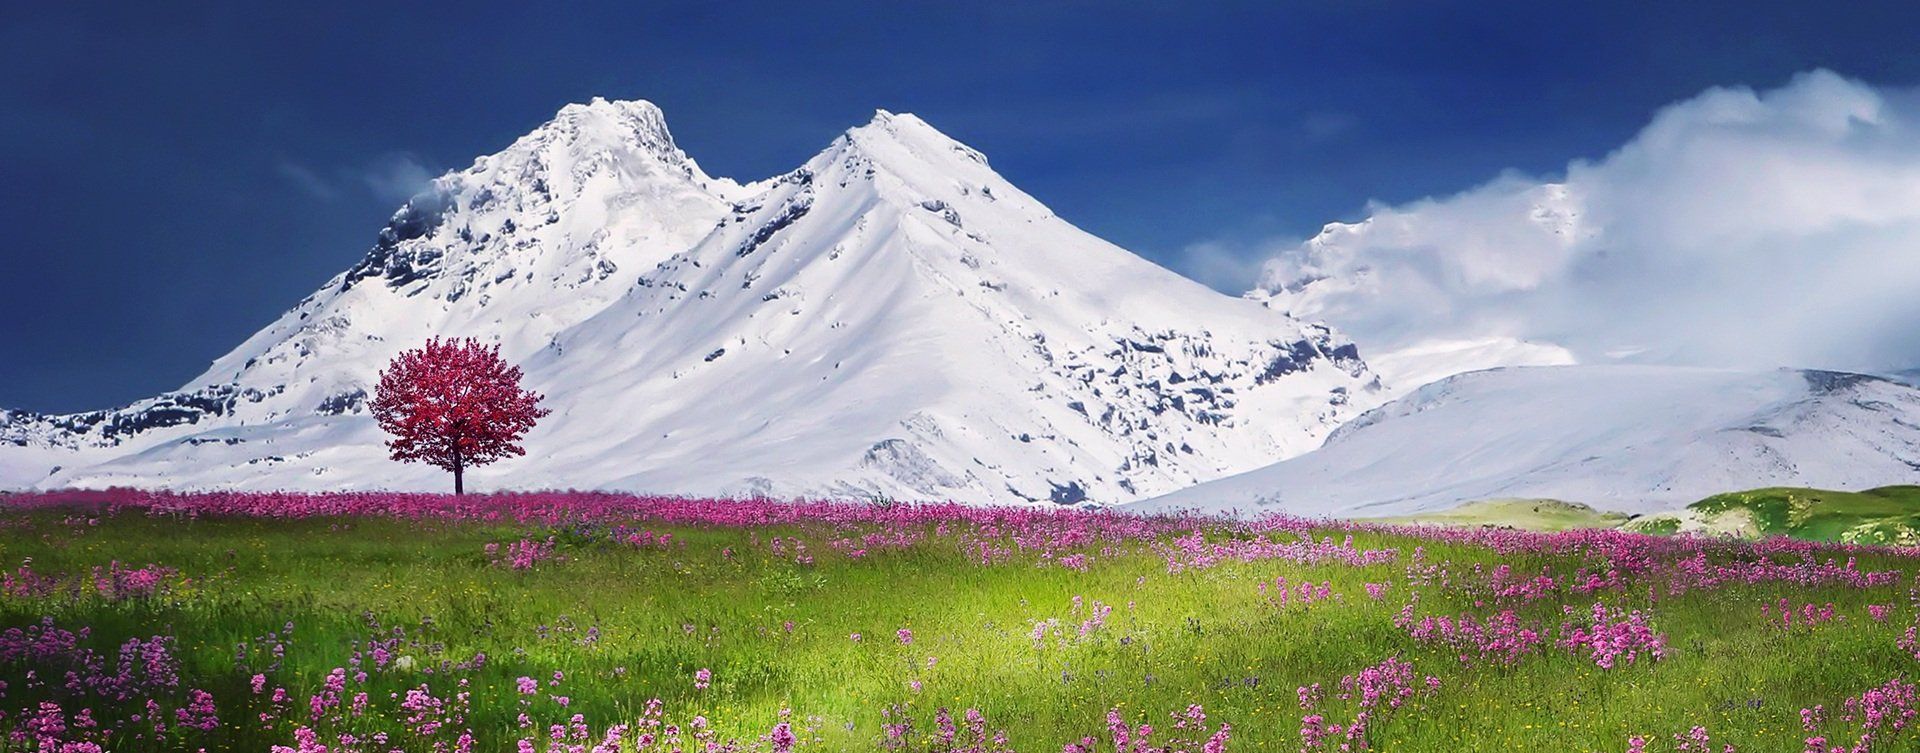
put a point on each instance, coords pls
(454, 404)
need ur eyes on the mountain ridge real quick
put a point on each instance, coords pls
(967, 342)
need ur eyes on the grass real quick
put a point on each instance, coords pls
(1886, 515)
(627, 624)
(1525, 514)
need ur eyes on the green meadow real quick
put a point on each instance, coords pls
(861, 647)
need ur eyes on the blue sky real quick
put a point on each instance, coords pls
(172, 178)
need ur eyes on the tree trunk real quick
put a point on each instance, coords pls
(459, 463)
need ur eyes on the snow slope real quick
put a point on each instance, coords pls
(1628, 438)
(892, 319)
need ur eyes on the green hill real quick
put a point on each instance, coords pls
(1886, 515)
(1527, 514)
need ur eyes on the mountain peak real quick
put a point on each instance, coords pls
(884, 119)
(895, 135)
(639, 114)
(601, 125)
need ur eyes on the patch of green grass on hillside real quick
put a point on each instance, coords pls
(1526, 514)
(1886, 515)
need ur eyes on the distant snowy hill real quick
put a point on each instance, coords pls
(1628, 438)
(892, 319)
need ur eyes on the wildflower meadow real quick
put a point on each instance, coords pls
(142, 621)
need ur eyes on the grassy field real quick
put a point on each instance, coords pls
(483, 624)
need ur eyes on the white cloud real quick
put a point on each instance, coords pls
(397, 177)
(391, 178)
(306, 180)
(1223, 266)
(1739, 228)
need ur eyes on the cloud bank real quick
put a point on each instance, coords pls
(1738, 229)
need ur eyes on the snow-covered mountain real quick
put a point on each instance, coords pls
(891, 319)
(1628, 438)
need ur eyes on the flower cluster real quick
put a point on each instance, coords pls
(75, 697)
(522, 554)
(1611, 637)
(1807, 615)
(1304, 595)
(1879, 718)
(1501, 638)
(1374, 694)
(1189, 733)
(114, 582)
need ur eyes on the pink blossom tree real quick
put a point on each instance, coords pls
(454, 404)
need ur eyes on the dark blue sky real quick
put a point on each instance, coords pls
(172, 178)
